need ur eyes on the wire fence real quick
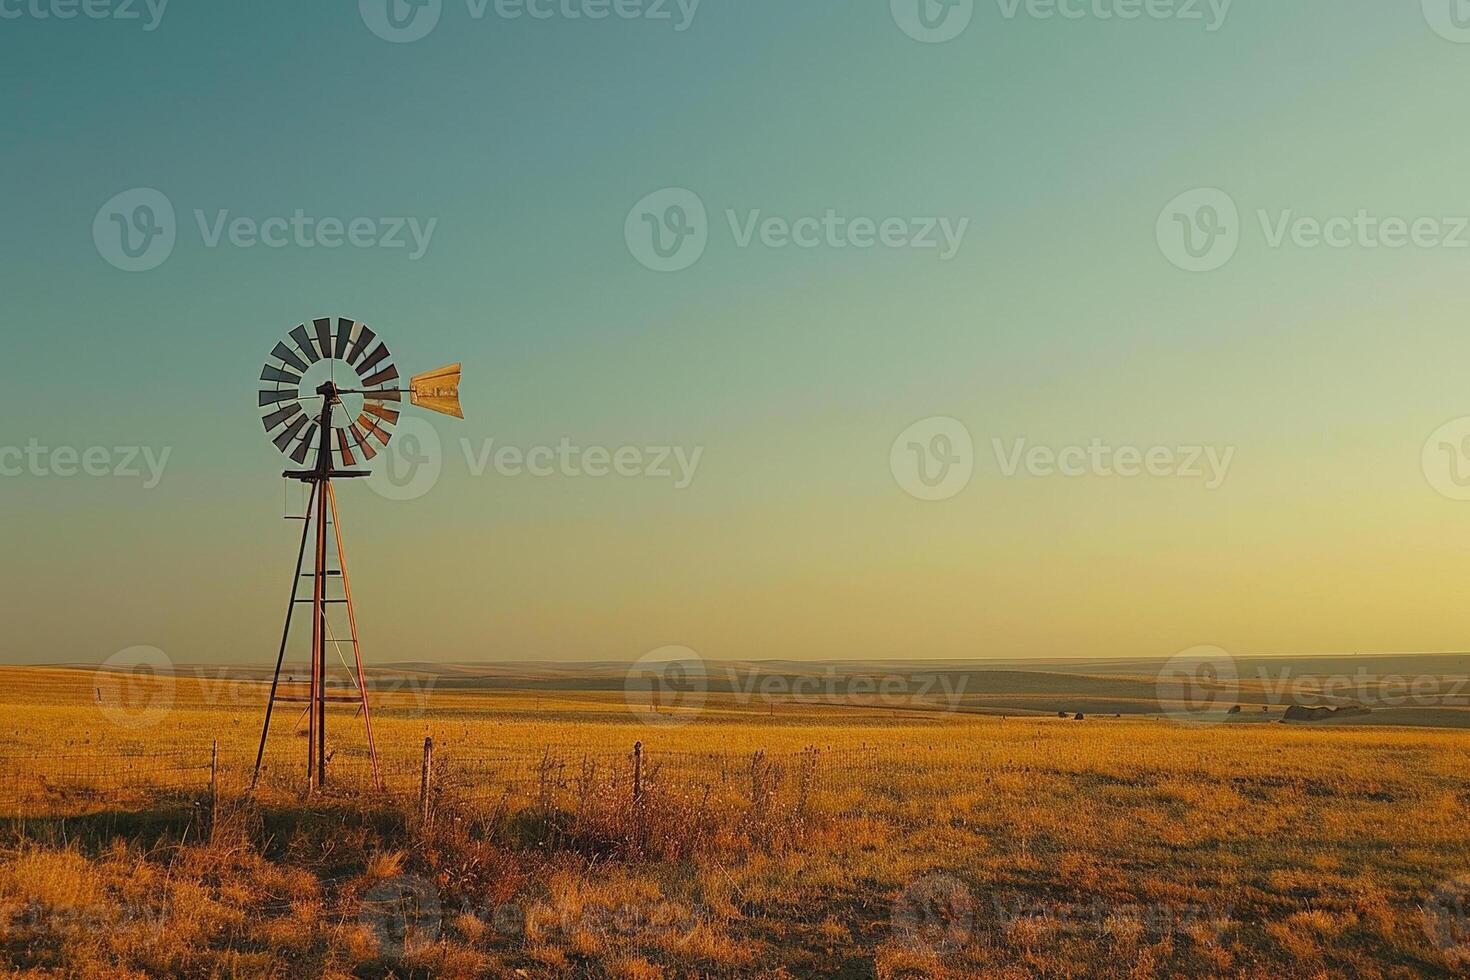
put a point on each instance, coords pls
(467, 778)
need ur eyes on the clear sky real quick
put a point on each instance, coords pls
(1061, 318)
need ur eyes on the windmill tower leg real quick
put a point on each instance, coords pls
(285, 636)
(367, 718)
(317, 753)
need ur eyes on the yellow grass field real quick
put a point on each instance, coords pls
(774, 841)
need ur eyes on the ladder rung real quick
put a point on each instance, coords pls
(313, 574)
(327, 602)
(330, 698)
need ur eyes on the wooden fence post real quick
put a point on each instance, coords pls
(637, 772)
(426, 776)
(213, 783)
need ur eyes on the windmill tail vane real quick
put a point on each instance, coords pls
(438, 391)
(319, 440)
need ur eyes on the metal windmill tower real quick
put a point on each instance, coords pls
(326, 441)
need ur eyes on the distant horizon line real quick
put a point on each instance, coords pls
(893, 661)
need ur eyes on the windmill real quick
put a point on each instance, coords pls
(361, 399)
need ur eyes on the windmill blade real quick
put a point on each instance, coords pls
(386, 414)
(438, 391)
(347, 458)
(363, 445)
(344, 336)
(291, 432)
(303, 341)
(379, 354)
(307, 442)
(374, 429)
(389, 373)
(365, 336)
(324, 336)
(286, 355)
(276, 397)
(388, 395)
(284, 415)
(269, 373)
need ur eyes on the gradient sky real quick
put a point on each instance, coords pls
(1059, 321)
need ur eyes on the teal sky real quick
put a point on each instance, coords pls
(1058, 321)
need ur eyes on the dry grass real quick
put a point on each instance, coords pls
(960, 846)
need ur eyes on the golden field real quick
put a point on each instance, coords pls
(864, 841)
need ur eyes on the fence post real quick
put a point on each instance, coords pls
(637, 772)
(426, 776)
(213, 783)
